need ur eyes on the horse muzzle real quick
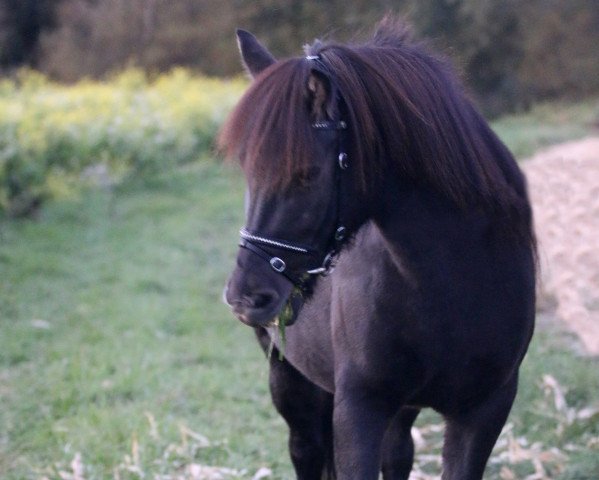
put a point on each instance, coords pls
(258, 307)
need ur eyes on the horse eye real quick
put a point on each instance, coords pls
(310, 175)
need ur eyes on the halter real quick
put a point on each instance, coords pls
(254, 242)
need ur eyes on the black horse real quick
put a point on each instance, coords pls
(371, 158)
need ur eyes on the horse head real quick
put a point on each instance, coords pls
(292, 140)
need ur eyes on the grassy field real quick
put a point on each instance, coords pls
(118, 359)
(548, 124)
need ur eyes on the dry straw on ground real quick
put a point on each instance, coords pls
(564, 188)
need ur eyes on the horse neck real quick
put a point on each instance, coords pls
(417, 222)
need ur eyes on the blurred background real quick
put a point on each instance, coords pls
(512, 53)
(118, 226)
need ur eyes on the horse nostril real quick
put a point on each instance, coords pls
(260, 300)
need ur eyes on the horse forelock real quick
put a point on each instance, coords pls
(407, 112)
(269, 131)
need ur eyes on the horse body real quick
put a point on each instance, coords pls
(417, 344)
(437, 343)
(432, 301)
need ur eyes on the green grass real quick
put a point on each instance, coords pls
(114, 342)
(110, 314)
(548, 124)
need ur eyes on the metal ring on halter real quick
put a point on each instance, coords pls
(343, 161)
(327, 266)
(340, 233)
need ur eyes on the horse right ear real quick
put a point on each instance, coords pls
(254, 55)
(321, 97)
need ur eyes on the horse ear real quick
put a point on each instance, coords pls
(321, 96)
(254, 55)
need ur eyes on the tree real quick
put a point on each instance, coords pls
(21, 23)
(510, 52)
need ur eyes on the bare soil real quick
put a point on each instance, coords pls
(564, 189)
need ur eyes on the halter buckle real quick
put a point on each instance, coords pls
(277, 264)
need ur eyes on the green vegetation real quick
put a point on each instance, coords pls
(547, 124)
(52, 135)
(512, 53)
(56, 138)
(117, 357)
(114, 335)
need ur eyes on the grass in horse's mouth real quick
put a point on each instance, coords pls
(283, 319)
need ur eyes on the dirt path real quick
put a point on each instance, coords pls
(564, 188)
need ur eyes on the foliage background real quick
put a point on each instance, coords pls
(54, 137)
(512, 52)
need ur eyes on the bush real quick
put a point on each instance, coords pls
(51, 134)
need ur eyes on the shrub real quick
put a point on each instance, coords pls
(50, 134)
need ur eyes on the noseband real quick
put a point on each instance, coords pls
(324, 260)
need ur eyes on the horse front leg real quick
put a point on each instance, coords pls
(398, 446)
(307, 410)
(470, 436)
(360, 419)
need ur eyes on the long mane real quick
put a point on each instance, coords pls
(407, 112)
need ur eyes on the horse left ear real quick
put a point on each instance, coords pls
(254, 55)
(321, 96)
